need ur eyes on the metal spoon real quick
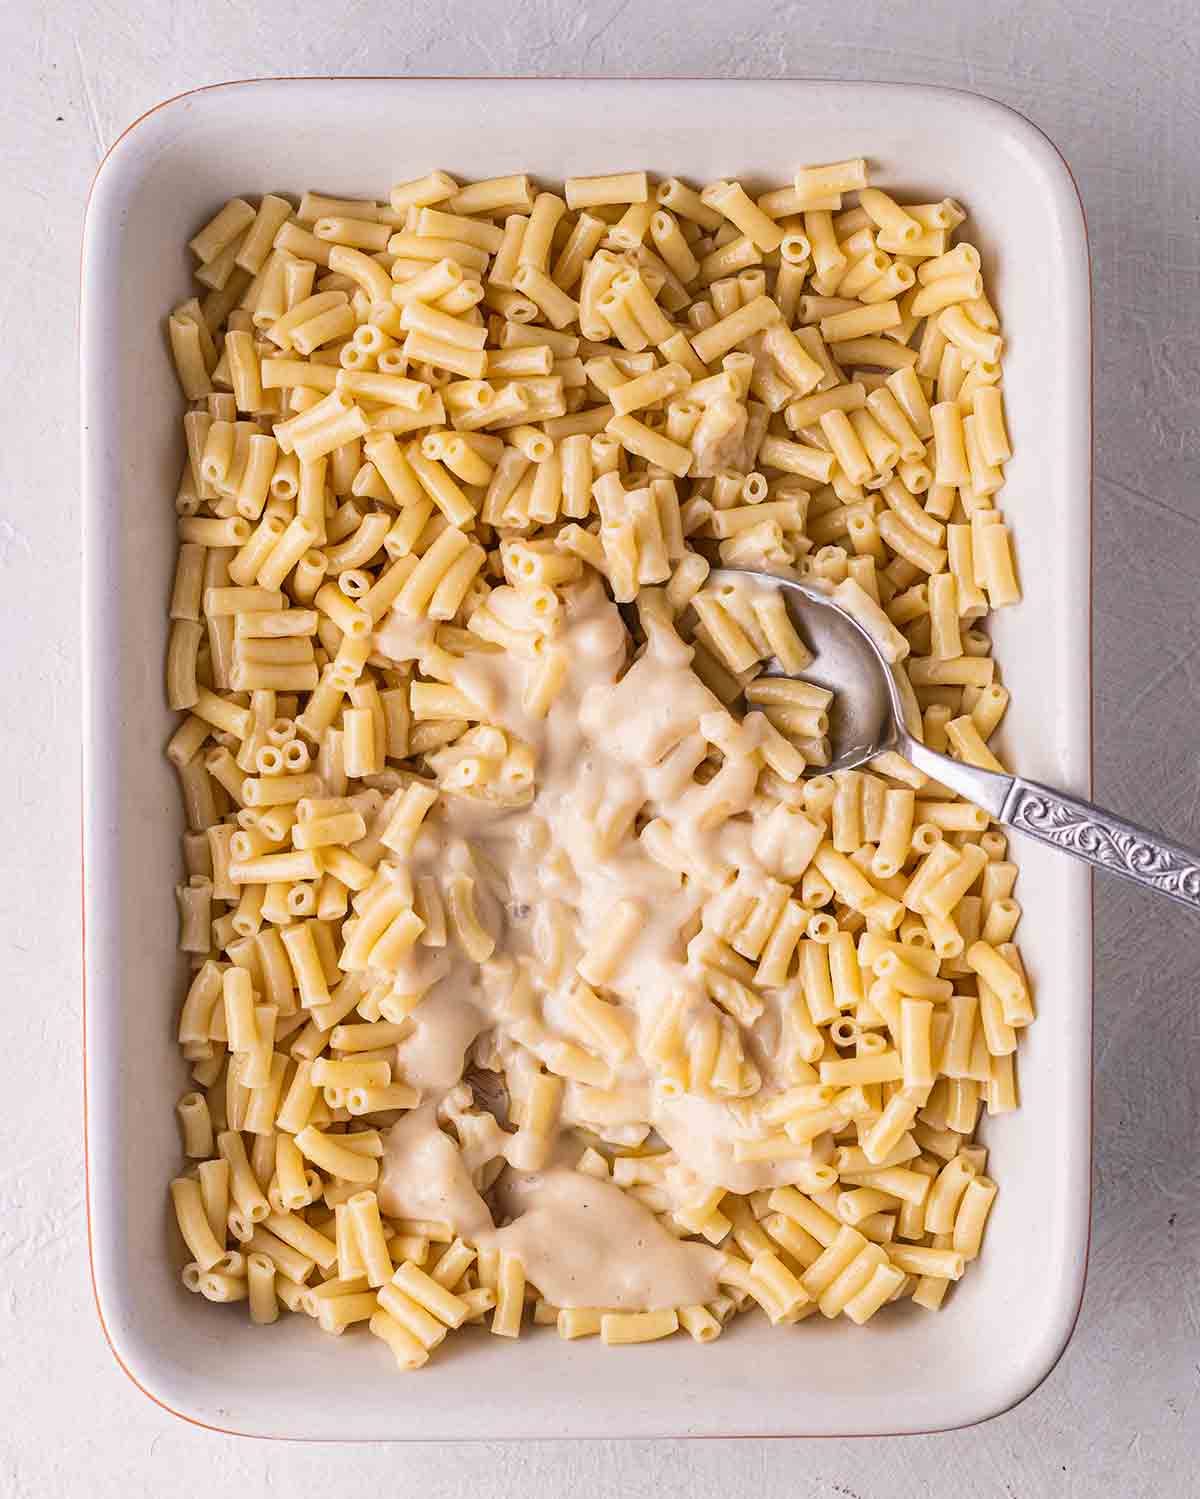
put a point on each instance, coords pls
(868, 718)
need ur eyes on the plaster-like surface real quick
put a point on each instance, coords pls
(1117, 88)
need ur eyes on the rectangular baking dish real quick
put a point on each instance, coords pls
(1004, 1328)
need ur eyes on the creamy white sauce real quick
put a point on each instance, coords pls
(584, 1242)
(617, 748)
(444, 1025)
(425, 1176)
(404, 638)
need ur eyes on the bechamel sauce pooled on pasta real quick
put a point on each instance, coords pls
(585, 1242)
(615, 745)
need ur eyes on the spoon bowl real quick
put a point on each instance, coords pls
(868, 707)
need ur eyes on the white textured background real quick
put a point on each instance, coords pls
(1117, 87)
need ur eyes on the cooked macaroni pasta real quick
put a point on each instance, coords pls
(538, 973)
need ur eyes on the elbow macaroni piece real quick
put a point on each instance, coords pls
(441, 817)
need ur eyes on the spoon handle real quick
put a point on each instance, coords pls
(1069, 823)
(1102, 838)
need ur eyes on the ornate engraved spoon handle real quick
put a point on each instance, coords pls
(1105, 840)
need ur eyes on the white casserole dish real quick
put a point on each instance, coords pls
(1005, 1327)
